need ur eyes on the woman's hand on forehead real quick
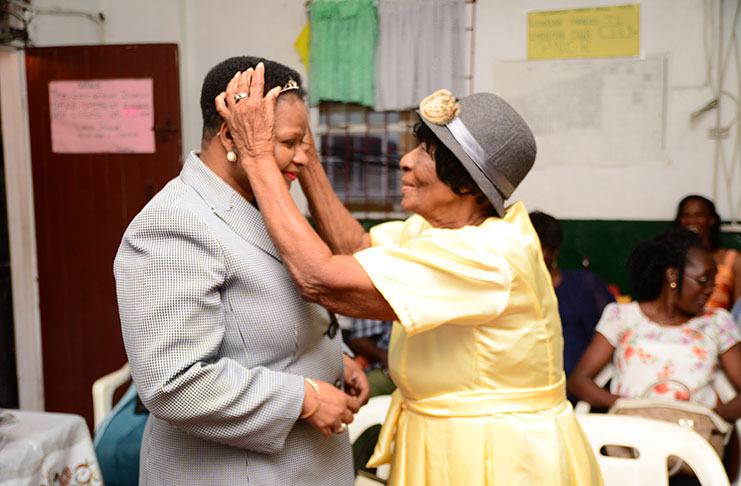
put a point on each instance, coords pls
(249, 116)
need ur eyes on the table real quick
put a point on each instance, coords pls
(46, 449)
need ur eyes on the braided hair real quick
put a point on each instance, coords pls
(648, 263)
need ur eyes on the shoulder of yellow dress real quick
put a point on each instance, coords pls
(516, 208)
(514, 215)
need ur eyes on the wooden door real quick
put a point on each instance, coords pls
(83, 204)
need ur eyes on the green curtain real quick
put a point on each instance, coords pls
(342, 51)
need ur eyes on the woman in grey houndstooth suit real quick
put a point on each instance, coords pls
(242, 377)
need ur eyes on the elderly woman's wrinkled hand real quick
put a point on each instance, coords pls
(249, 116)
(309, 146)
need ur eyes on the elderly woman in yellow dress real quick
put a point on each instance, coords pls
(476, 351)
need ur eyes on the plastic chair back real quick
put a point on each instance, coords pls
(372, 413)
(103, 389)
(655, 441)
(722, 386)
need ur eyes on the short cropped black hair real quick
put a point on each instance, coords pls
(648, 263)
(548, 228)
(710, 207)
(449, 169)
(218, 77)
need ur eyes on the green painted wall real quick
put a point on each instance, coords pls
(606, 245)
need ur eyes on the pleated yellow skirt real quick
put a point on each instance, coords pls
(543, 447)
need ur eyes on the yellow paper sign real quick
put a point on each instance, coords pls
(585, 32)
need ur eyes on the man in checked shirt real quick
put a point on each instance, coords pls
(369, 340)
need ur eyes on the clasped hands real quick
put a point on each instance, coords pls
(331, 409)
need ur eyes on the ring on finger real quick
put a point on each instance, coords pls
(239, 96)
(341, 428)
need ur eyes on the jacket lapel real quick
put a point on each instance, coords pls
(241, 216)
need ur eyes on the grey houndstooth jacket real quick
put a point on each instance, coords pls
(219, 342)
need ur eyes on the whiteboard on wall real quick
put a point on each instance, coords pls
(589, 113)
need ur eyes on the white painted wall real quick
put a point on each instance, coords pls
(208, 32)
(669, 27)
(21, 230)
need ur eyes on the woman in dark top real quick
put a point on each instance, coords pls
(581, 294)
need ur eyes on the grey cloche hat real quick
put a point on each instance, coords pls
(487, 135)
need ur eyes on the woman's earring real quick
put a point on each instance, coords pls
(231, 156)
(673, 285)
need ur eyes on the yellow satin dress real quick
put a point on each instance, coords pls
(476, 356)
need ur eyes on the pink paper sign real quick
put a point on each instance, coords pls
(102, 116)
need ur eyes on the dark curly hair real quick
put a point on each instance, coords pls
(447, 166)
(648, 263)
(218, 77)
(548, 228)
(710, 207)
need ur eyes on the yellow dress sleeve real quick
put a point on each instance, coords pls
(435, 276)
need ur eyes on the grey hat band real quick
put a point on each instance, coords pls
(476, 153)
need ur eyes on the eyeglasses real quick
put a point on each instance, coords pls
(703, 280)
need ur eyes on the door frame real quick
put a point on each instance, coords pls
(21, 229)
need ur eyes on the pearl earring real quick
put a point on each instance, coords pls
(231, 156)
(673, 285)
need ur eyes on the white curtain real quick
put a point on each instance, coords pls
(420, 50)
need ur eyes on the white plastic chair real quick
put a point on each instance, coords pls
(727, 392)
(722, 386)
(655, 441)
(372, 413)
(103, 389)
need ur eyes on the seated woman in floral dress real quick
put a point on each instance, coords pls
(665, 344)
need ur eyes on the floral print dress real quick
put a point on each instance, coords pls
(671, 362)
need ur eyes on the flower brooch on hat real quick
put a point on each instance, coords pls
(440, 107)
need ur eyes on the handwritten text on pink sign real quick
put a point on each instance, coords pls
(102, 116)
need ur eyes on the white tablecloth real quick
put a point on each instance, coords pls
(46, 449)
